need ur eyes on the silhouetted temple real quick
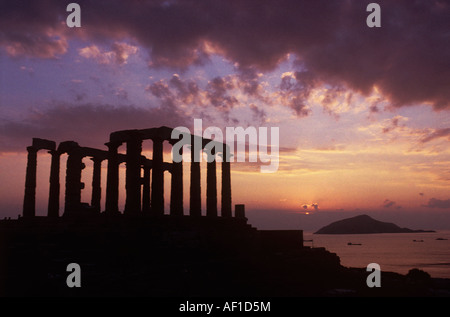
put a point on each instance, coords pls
(145, 250)
(144, 195)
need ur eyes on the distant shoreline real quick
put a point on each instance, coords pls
(364, 224)
(365, 233)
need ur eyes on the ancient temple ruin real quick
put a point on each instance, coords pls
(144, 194)
(147, 247)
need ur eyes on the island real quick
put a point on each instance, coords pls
(363, 224)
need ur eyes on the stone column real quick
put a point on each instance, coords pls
(176, 187)
(211, 186)
(29, 202)
(73, 183)
(146, 190)
(195, 203)
(158, 178)
(96, 184)
(133, 176)
(112, 180)
(239, 211)
(54, 191)
(226, 183)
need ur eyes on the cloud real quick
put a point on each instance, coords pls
(215, 99)
(88, 124)
(29, 70)
(438, 203)
(119, 54)
(394, 123)
(315, 206)
(217, 93)
(187, 90)
(436, 134)
(248, 82)
(295, 89)
(37, 46)
(121, 94)
(177, 93)
(389, 203)
(374, 109)
(159, 89)
(32, 29)
(122, 51)
(336, 100)
(94, 52)
(329, 39)
(259, 115)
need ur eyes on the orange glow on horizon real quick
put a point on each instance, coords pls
(342, 179)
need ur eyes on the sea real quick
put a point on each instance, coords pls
(394, 252)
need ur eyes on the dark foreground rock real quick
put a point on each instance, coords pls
(164, 257)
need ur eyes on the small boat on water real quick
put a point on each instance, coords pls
(441, 239)
(353, 243)
(417, 240)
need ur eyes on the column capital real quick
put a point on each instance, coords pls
(158, 138)
(32, 149)
(97, 159)
(113, 145)
(173, 141)
(146, 167)
(54, 152)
